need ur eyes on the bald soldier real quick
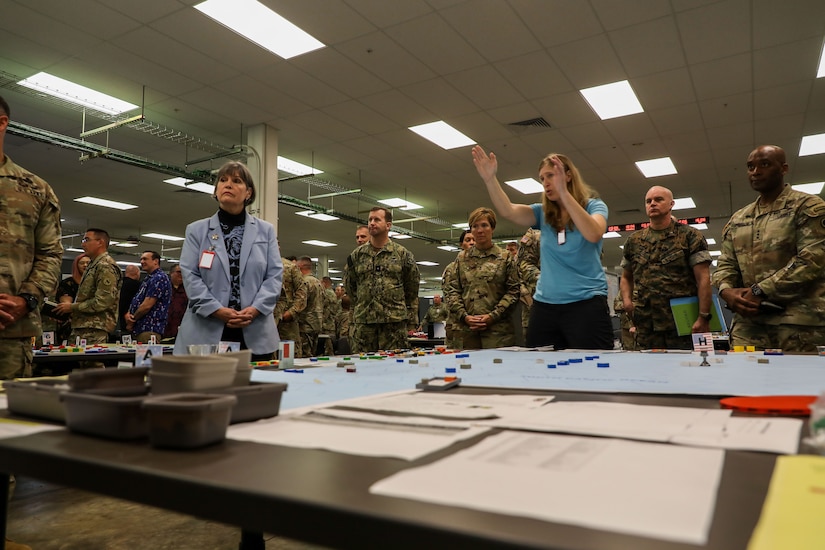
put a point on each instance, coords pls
(770, 272)
(663, 261)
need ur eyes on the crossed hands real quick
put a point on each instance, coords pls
(12, 309)
(236, 319)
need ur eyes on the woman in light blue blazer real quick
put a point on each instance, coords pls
(232, 272)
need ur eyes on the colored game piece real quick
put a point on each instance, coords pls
(551, 365)
(763, 361)
(465, 365)
(450, 369)
(575, 360)
(602, 365)
(497, 360)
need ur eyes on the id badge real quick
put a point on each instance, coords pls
(562, 236)
(207, 257)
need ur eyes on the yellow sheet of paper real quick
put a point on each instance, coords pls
(793, 515)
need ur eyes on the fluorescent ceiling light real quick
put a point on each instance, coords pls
(427, 263)
(397, 235)
(611, 235)
(656, 167)
(69, 236)
(528, 186)
(162, 237)
(683, 203)
(125, 244)
(699, 226)
(812, 188)
(259, 24)
(314, 242)
(715, 252)
(334, 270)
(711, 241)
(442, 134)
(77, 94)
(820, 72)
(296, 168)
(320, 216)
(128, 263)
(202, 187)
(462, 225)
(73, 249)
(612, 100)
(448, 248)
(180, 182)
(400, 203)
(812, 145)
(106, 203)
(336, 279)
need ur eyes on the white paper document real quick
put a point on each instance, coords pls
(652, 490)
(681, 425)
(771, 434)
(453, 406)
(14, 428)
(356, 434)
(645, 422)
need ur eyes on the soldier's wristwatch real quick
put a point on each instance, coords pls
(756, 291)
(706, 316)
(31, 301)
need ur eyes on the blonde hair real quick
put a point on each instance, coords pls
(482, 212)
(577, 187)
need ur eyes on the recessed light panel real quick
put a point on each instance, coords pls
(613, 100)
(442, 134)
(77, 94)
(106, 203)
(259, 24)
(528, 186)
(654, 168)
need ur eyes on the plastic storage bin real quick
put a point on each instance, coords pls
(191, 373)
(104, 379)
(188, 420)
(255, 401)
(40, 398)
(105, 416)
(243, 370)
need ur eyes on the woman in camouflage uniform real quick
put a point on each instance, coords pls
(485, 288)
(466, 241)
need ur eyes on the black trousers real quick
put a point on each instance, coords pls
(579, 325)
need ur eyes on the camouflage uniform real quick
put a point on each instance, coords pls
(782, 249)
(331, 306)
(661, 262)
(453, 340)
(383, 287)
(529, 268)
(310, 320)
(94, 311)
(437, 313)
(293, 299)
(30, 257)
(628, 336)
(485, 282)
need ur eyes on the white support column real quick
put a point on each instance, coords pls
(263, 139)
(323, 265)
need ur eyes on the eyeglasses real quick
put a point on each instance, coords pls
(87, 239)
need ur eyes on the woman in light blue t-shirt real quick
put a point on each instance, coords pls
(570, 304)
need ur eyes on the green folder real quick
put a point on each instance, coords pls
(686, 310)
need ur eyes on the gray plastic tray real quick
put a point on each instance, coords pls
(40, 399)
(188, 420)
(255, 401)
(106, 416)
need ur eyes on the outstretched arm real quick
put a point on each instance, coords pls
(487, 166)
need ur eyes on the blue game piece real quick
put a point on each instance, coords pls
(449, 369)
(563, 363)
(602, 365)
(461, 355)
(575, 360)
(551, 365)
(399, 360)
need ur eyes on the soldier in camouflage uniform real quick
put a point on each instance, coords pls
(332, 308)
(381, 278)
(663, 261)
(529, 269)
(311, 319)
(454, 340)
(30, 256)
(94, 311)
(484, 288)
(436, 313)
(292, 302)
(773, 252)
(626, 324)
